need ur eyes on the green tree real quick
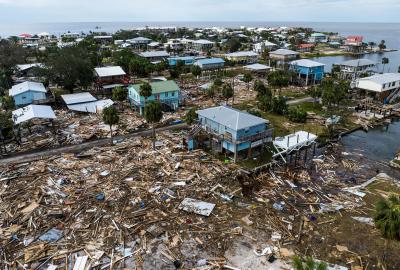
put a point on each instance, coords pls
(110, 117)
(385, 61)
(119, 94)
(279, 105)
(315, 92)
(247, 78)
(308, 263)
(233, 45)
(297, 115)
(195, 70)
(278, 79)
(191, 116)
(218, 82)
(227, 92)
(7, 103)
(261, 89)
(265, 102)
(387, 217)
(333, 92)
(335, 70)
(70, 67)
(145, 91)
(175, 73)
(153, 114)
(382, 45)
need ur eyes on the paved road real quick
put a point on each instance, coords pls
(299, 101)
(28, 157)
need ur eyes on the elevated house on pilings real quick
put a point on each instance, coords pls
(289, 145)
(235, 133)
(307, 71)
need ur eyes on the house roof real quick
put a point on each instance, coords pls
(257, 67)
(183, 58)
(27, 86)
(24, 67)
(110, 71)
(209, 61)
(32, 111)
(91, 107)
(154, 54)
(305, 46)
(231, 118)
(159, 87)
(203, 41)
(78, 98)
(140, 39)
(306, 63)
(241, 54)
(318, 35)
(358, 63)
(284, 52)
(268, 43)
(382, 78)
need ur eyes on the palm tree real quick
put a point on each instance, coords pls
(247, 79)
(145, 91)
(227, 92)
(110, 117)
(119, 94)
(308, 264)
(153, 114)
(387, 217)
(385, 61)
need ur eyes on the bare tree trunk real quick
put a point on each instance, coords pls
(154, 137)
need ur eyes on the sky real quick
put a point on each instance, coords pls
(38, 11)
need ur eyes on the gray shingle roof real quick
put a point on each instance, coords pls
(231, 118)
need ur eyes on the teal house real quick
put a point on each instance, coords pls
(187, 60)
(308, 72)
(235, 132)
(165, 92)
(27, 93)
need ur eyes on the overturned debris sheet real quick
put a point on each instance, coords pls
(196, 206)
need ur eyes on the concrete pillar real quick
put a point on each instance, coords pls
(235, 153)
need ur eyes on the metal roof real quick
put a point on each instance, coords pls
(203, 41)
(231, 118)
(24, 67)
(306, 63)
(110, 71)
(284, 52)
(25, 87)
(209, 61)
(159, 87)
(91, 107)
(241, 54)
(383, 78)
(78, 98)
(358, 63)
(257, 67)
(31, 112)
(154, 54)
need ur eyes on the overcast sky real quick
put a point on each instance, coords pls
(14, 11)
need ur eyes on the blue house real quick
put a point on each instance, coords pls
(308, 71)
(188, 60)
(166, 92)
(236, 132)
(210, 63)
(27, 93)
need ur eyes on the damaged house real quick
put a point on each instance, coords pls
(234, 132)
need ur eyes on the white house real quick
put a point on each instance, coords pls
(385, 86)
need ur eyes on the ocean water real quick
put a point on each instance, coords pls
(390, 32)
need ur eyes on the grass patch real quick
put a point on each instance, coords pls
(264, 158)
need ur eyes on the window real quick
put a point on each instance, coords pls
(166, 94)
(173, 94)
(384, 86)
(393, 84)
